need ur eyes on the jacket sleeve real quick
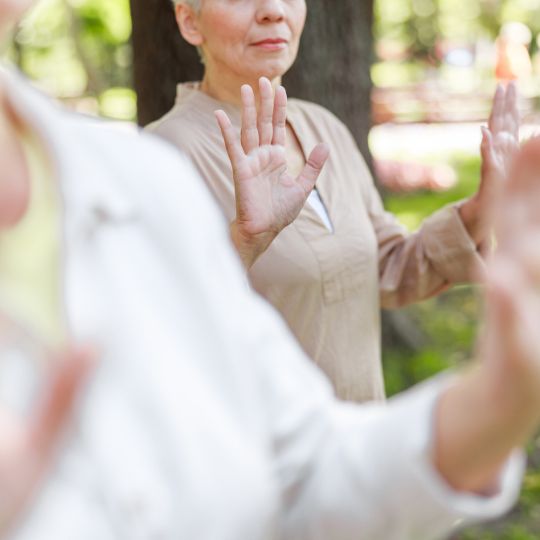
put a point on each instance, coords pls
(418, 265)
(414, 266)
(342, 471)
(351, 471)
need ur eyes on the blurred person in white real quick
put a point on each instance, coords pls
(202, 419)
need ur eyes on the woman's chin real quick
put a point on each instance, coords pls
(272, 69)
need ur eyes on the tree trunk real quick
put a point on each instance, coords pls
(333, 66)
(333, 69)
(161, 58)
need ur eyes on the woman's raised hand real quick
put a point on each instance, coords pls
(500, 142)
(268, 198)
(27, 445)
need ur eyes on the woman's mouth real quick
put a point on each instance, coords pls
(271, 44)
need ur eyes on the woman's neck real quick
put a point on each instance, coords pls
(226, 87)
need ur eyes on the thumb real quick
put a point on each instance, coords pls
(312, 170)
(486, 151)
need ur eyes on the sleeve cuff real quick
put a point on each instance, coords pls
(449, 247)
(470, 508)
(440, 506)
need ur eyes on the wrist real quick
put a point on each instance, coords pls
(470, 213)
(249, 246)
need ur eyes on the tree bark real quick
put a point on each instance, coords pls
(161, 58)
(333, 66)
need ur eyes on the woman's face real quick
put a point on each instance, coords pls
(251, 38)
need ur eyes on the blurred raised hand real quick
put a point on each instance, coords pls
(28, 442)
(268, 198)
(514, 274)
(495, 408)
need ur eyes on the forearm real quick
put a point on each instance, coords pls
(471, 216)
(249, 247)
(422, 264)
(479, 421)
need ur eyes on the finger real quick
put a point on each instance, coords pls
(497, 111)
(266, 111)
(486, 147)
(249, 133)
(486, 151)
(231, 140)
(59, 397)
(511, 110)
(280, 117)
(317, 159)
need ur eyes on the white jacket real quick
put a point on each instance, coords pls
(204, 420)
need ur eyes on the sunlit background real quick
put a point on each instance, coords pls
(435, 69)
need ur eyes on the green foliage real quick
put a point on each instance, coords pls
(78, 48)
(412, 208)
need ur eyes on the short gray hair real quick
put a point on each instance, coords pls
(195, 4)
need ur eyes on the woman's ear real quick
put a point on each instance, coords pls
(186, 19)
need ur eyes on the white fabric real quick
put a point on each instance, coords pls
(204, 420)
(315, 201)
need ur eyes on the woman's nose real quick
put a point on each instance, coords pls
(270, 11)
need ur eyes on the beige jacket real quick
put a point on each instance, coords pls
(329, 287)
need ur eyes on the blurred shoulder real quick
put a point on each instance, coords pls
(145, 165)
(189, 122)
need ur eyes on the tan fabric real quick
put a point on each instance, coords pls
(329, 286)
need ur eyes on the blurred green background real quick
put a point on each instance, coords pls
(435, 68)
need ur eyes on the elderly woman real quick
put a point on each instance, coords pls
(343, 256)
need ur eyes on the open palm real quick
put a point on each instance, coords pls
(268, 198)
